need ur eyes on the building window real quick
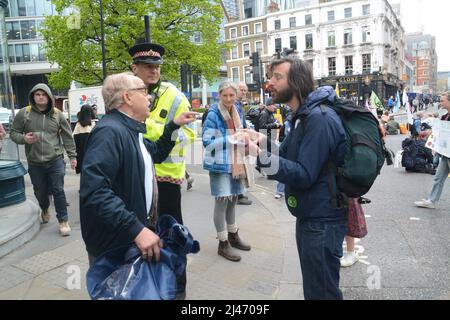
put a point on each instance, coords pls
(38, 28)
(348, 37)
(233, 33)
(278, 44)
(426, 73)
(366, 9)
(293, 42)
(12, 55)
(258, 27)
(308, 41)
(348, 13)
(348, 65)
(277, 24)
(21, 5)
(331, 39)
(259, 47)
(308, 20)
(248, 13)
(34, 52)
(13, 30)
(22, 52)
(292, 22)
(234, 53)
(332, 66)
(366, 63)
(235, 74)
(330, 15)
(42, 52)
(28, 28)
(246, 50)
(245, 31)
(365, 34)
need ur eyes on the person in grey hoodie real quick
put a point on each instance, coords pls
(45, 132)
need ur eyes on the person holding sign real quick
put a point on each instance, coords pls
(443, 169)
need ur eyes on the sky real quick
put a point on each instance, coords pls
(433, 16)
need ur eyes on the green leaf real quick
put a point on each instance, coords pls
(74, 42)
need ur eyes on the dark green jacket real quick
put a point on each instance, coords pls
(54, 130)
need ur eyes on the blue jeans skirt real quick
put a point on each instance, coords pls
(223, 185)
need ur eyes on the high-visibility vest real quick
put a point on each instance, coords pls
(170, 103)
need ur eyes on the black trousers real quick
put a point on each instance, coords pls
(169, 202)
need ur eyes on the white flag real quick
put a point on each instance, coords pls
(408, 107)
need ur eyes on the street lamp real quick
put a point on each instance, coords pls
(102, 31)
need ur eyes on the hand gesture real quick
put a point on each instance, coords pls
(73, 164)
(149, 244)
(30, 138)
(252, 149)
(256, 137)
(185, 118)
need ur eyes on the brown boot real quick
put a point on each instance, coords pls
(236, 242)
(227, 252)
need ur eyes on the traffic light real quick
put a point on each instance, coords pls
(183, 76)
(254, 59)
(196, 80)
(256, 67)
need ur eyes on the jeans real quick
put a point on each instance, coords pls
(280, 188)
(439, 179)
(48, 179)
(319, 246)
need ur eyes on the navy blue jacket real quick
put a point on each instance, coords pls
(112, 187)
(323, 138)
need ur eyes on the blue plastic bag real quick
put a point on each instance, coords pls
(121, 274)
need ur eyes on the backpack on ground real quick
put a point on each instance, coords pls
(416, 157)
(366, 151)
(253, 115)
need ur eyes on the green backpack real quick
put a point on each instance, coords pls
(366, 150)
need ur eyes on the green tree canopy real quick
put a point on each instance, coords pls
(74, 42)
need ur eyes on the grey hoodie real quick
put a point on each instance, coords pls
(51, 126)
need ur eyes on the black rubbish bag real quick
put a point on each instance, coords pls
(122, 274)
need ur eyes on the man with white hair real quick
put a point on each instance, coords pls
(241, 103)
(118, 191)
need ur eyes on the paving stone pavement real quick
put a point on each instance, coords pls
(269, 271)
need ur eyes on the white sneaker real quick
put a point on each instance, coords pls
(425, 204)
(278, 196)
(64, 229)
(349, 259)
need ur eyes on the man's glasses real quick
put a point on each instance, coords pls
(144, 90)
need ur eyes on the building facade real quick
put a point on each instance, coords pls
(26, 49)
(423, 50)
(359, 44)
(245, 37)
(356, 43)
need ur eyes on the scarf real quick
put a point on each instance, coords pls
(233, 122)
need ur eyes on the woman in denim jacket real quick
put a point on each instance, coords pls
(226, 145)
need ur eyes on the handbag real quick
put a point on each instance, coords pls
(122, 274)
(357, 227)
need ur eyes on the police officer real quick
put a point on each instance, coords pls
(167, 103)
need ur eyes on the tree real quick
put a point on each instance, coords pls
(74, 41)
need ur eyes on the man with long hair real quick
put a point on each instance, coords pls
(316, 138)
